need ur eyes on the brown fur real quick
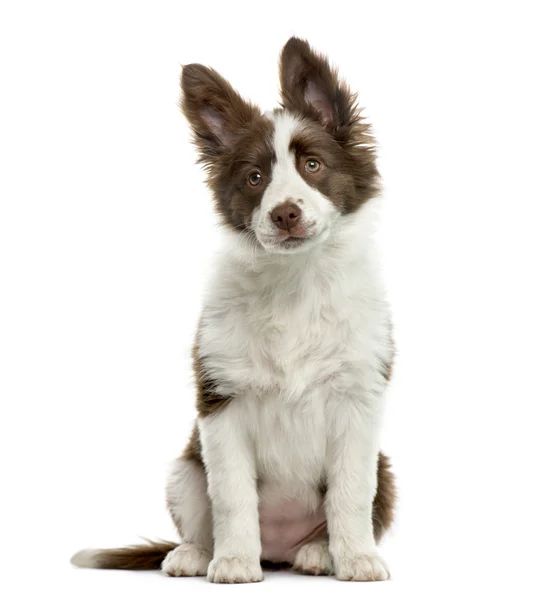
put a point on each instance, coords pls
(193, 449)
(208, 401)
(239, 142)
(348, 177)
(336, 133)
(385, 498)
(142, 557)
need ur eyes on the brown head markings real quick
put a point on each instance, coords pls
(233, 138)
(334, 130)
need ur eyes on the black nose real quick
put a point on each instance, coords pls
(286, 215)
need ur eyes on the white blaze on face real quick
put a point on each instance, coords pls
(318, 213)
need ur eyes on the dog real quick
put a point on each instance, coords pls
(294, 347)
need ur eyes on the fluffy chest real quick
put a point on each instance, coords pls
(290, 324)
(292, 342)
(273, 337)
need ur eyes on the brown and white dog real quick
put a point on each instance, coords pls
(294, 348)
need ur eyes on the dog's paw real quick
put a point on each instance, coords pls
(314, 559)
(232, 569)
(187, 560)
(362, 567)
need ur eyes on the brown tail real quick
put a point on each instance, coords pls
(143, 557)
(385, 498)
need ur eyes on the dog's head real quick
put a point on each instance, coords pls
(288, 177)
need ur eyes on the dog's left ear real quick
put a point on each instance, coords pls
(310, 86)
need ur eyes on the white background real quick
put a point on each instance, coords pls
(107, 232)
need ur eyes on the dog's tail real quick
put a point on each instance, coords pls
(142, 557)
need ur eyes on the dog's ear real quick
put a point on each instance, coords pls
(310, 86)
(216, 112)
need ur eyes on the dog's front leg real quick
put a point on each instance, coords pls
(231, 474)
(352, 455)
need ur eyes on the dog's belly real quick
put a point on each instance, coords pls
(290, 453)
(287, 525)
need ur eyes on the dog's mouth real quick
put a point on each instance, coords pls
(295, 237)
(292, 241)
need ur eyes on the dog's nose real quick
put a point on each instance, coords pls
(286, 215)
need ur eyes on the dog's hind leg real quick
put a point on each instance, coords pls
(189, 507)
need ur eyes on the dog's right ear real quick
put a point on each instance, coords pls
(216, 112)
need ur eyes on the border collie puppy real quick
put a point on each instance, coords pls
(294, 347)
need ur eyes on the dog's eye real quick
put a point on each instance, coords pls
(254, 178)
(312, 166)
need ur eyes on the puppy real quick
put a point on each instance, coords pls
(294, 346)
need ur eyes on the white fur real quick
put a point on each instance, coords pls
(232, 489)
(314, 559)
(299, 341)
(187, 560)
(234, 569)
(190, 509)
(85, 559)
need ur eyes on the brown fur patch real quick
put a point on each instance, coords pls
(233, 139)
(385, 498)
(193, 449)
(348, 177)
(208, 400)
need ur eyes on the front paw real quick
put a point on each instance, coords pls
(232, 569)
(361, 567)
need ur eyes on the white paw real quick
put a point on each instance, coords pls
(314, 559)
(187, 560)
(232, 569)
(362, 567)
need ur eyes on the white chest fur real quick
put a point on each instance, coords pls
(290, 323)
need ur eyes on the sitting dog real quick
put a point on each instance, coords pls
(294, 346)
